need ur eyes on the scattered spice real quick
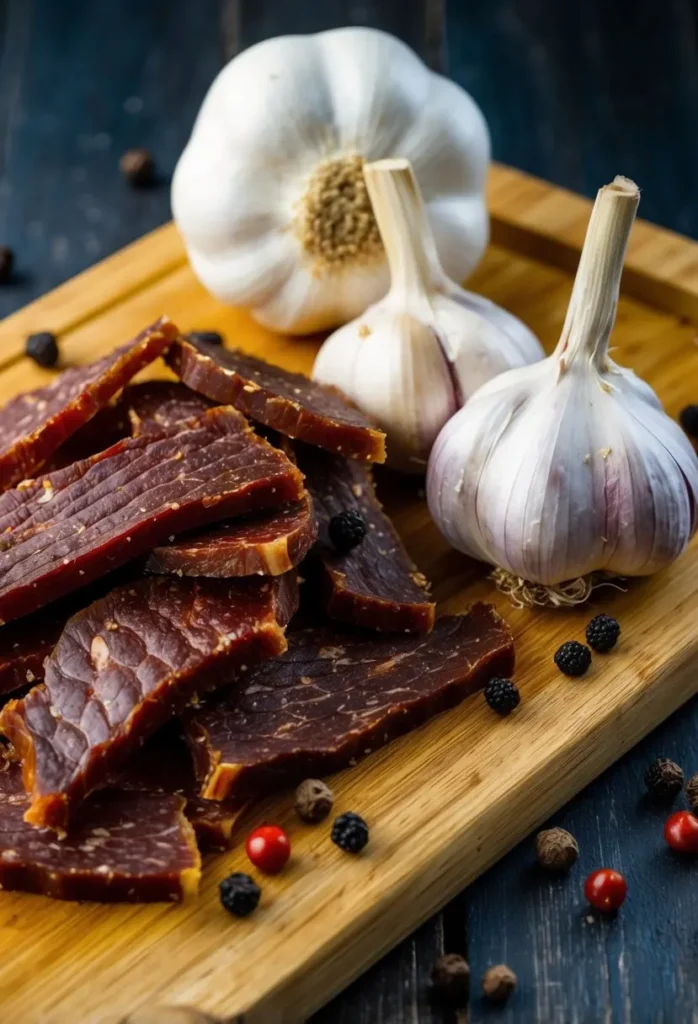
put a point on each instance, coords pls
(350, 832)
(602, 633)
(692, 792)
(138, 167)
(7, 262)
(681, 832)
(269, 848)
(664, 779)
(502, 695)
(573, 658)
(347, 529)
(498, 983)
(556, 849)
(688, 418)
(42, 347)
(450, 979)
(314, 800)
(605, 889)
(239, 894)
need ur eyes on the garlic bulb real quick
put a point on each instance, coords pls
(413, 358)
(569, 467)
(269, 195)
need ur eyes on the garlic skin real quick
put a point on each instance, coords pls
(414, 357)
(570, 467)
(269, 195)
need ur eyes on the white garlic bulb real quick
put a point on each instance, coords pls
(414, 357)
(268, 194)
(569, 467)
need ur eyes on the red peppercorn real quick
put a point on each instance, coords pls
(681, 832)
(605, 889)
(268, 848)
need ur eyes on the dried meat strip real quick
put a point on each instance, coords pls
(336, 696)
(63, 530)
(162, 403)
(126, 664)
(34, 425)
(133, 847)
(376, 584)
(24, 646)
(109, 425)
(288, 402)
(164, 765)
(267, 544)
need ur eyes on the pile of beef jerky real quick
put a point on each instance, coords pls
(154, 681)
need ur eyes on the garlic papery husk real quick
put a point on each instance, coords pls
(269, 195)
(569, 468)
(414, 357)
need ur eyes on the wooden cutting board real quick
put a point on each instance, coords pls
(449, 799)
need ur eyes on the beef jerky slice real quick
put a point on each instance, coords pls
(164, 765)
(376, 584)
(334, 697)
(109, 425)
(132, 847)
(288, 402)
(34, 425)
(65, 529)
(24, 646)
(126, 664)
(162, 403)
(267, 544)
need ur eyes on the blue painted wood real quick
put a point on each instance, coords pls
(575, 93)
(80, 82)
(579, 92)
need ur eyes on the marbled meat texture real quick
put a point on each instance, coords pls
(337, 696)
(164, 765)
(34, 425)
(61, 531)
(376, 584)
(162, 403)
(267, 544)
(132, 847)
(126, 664)
(288, 402)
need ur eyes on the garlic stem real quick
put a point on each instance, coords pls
(592, 309)
(407, 236)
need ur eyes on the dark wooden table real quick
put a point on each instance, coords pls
(575, 93)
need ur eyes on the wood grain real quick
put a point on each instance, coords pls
(445, 802)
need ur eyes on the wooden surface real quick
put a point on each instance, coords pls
(574, 93)
(445, 802)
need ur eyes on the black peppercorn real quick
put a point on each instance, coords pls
(664, 779)
(42, 348)
(239, 894)
(602, 633)
(350, 832)
(450, 979)
(573, 658)
(138, 167)
(502, 695)
(347, 529)
(7, 261)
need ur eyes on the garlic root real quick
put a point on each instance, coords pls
(567, 469)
